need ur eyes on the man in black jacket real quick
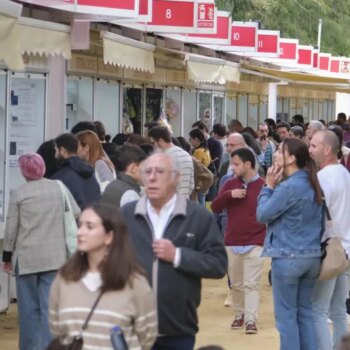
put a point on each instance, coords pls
(76, 174)
(178, 243)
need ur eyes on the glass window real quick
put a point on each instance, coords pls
(107, 105)
(243, 109)
(79, 104)
(310, 104)
(263, 107)
(132, 111)
(173, 109)
(218, 108)
(293, 107)
(3, 81)
(205, 108)
(253, 111)
(303, 108)
(190, 111)
(285, 116)
(316, 110)
(154, 104)
(231, 107)
(26, 120)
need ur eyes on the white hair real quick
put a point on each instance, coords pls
(316, 124)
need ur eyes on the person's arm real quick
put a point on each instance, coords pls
(272, 203)
(226, 197)
(73, 204)
(103, 171)
(208, 258)
(128, 197)
(145, 322)
(11, 231)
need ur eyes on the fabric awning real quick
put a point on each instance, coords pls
(295, 77)
(203, 69)
(10, 49)
(127, 53)
(44, 38)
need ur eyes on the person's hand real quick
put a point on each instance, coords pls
(7, 267)
(164, 249)
(273, 176)
(238, 193)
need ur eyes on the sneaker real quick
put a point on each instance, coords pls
(228, 300)
(238, 322)
(250, 328)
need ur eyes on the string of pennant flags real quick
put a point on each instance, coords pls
(201, 23)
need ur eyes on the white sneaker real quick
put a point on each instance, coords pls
(228, 300)
(330, 321)
(348, 318)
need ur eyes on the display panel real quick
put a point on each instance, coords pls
(79, 101)
(173, 108)
(190, 111)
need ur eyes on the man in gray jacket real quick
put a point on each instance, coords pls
(178, 243)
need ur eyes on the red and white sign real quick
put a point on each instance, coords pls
(222, 36)
(335, 65)
(315, 62)
(305, 55)
(145, 12)
(180, 16)
(108, 8)
(244, 36)
(345, 65)
(268, 43)
(288, 49)
(324, 60)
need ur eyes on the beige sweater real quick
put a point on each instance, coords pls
(132, 309)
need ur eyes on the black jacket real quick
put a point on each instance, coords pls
(193, 229)
(79, 178)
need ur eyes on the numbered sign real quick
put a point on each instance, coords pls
(268, 42)
(222, 36)
(324, 60)
(288, 49)
(106, 8)
(345, 66)
(335, 65)
(180, 16)
(305, 54)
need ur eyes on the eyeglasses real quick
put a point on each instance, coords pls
(157, 171)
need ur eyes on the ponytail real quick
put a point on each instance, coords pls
(312, 170)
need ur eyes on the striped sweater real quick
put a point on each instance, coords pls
(131, 308)
(185, 162)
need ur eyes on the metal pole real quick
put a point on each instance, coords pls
(319, 34)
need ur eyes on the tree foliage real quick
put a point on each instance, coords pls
(298, 19)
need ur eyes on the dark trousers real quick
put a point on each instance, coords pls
(174, 343)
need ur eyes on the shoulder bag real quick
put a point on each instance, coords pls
(70, 224)
(77, 342)
(334, 259)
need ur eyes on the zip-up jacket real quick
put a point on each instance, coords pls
(193, 229)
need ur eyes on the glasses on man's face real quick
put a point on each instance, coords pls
(159, 172)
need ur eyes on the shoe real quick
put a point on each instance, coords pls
(329, 321)
(228, 300)
(238, 322)
(250, 328)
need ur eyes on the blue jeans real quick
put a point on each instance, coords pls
(328, 301)
(32, 301)
(167, 342)
(293, 281)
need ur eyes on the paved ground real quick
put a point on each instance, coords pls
(215, 320)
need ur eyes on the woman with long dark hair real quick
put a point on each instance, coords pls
(291, 205)
(103, 265)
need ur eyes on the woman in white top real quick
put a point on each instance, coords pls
(90, 149)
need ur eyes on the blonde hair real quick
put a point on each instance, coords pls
(88, 137)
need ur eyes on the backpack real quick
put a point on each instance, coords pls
(203, 177)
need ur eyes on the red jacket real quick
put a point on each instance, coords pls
(242, 228)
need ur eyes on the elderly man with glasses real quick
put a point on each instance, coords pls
(178, 243)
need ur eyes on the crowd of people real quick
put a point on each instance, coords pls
(155, 214)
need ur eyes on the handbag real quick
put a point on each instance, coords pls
(334, 259)
(70, 224)
(77, 342)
